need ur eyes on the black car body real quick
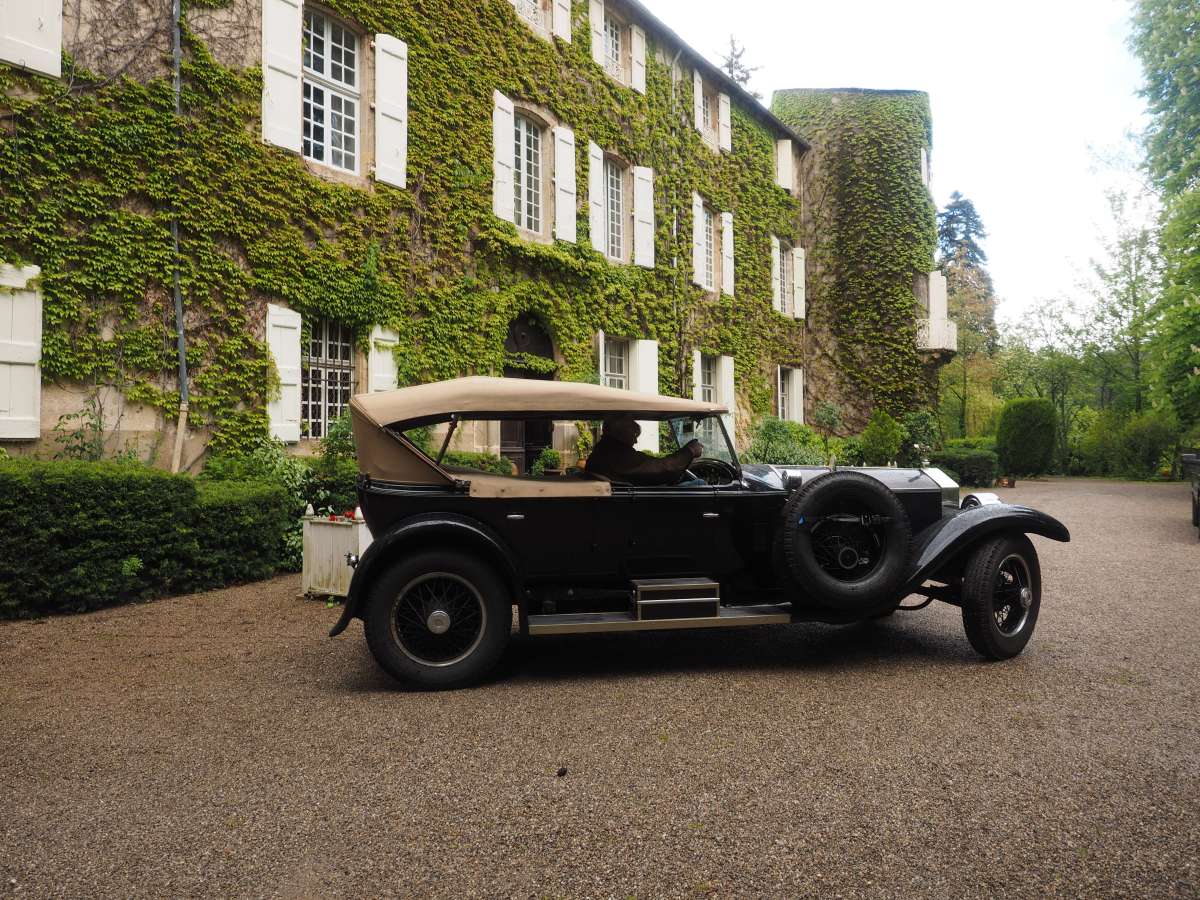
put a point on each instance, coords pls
(753, 544)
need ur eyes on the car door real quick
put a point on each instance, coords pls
(670, 531)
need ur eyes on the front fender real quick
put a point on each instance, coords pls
(944, 540)
(431, 528)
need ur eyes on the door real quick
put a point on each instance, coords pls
(670, 531)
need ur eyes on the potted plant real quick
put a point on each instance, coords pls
(548, 462)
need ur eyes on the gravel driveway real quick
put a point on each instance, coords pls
(221, 744)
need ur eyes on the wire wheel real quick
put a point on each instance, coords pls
(847, 549)
(438, 619)
(1012, 595)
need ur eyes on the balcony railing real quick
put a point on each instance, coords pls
(937, 335)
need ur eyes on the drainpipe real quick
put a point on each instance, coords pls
(181, 340)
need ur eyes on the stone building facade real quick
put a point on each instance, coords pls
(369, 195)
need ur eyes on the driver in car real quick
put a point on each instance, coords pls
(615, 458)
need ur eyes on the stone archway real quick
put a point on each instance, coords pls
(522, 441)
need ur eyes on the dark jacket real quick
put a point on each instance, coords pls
(620, 462)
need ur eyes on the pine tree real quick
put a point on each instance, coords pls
(737, 69)
(960, 230)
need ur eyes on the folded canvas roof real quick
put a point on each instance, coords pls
(377, 417)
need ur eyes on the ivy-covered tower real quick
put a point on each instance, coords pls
(877, 328)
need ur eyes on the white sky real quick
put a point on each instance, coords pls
(1024, 94)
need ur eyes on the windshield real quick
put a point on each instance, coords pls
(708, 431)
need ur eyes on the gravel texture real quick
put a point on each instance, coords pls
(222, 744)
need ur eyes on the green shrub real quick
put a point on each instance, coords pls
(920, 437)
(783, 443)
(847, 451)
(1144, 442)
(549, 458)
(976, 468)
(983, 442)
(484, 462)
(82, 535)
(1099, 447)
(881, 439)
(1025, 436)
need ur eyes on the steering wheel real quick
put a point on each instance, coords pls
(712, 471)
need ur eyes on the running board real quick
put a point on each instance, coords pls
(726, 617)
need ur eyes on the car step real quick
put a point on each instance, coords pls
(675, 598)
(726, 617)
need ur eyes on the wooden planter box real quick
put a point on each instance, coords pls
(326, 543)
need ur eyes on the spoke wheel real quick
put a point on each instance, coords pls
(438, 619)
(1001, 595)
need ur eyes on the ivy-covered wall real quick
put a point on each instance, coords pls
(92, 172)
(870, 228)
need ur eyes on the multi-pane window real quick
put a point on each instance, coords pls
(784, 400)
(327, 376)
(527, 174)
(614, 209)
(785, 278)
(708, 394)
(612, 47)
(331, 98)
(616, 363)
(708, 118)
(710, 250)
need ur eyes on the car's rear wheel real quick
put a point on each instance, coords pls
(438, 620)
(1001, 595)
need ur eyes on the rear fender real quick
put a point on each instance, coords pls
(415, 534)
(943, 541)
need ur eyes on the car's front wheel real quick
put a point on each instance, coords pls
(1001, 595)
(438, 619)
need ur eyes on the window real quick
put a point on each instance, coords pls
(791, 394)
(709, 276)
(708, 394)
(616, 363)
(331, 92)
(707, 120)
(786, 279)
(527, 174)
(613, 59)
(784, 399)
(327, 376)
(614, 209)
(532, 11)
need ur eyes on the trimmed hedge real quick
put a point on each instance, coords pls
(974, 468)
(80, 535)
(1025, 436)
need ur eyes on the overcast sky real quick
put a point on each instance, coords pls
(1023, 94)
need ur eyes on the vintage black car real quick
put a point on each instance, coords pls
(455, 550)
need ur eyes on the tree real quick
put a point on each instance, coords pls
(737, 69)
(960, 230)
(1121, 323)
(1164, 38)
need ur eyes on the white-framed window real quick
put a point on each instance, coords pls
(614, 58)
(331, 92)
(527, 174)
(713, 382)
(616, 363)
(711, 113)
(708, 118)
(791, 394)
(618, 46)
(709, 273)
(708, 393)
(327, 376)
(786, 278)
(615, 209)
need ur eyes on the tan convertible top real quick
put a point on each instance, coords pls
(377, 417)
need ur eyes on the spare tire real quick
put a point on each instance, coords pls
(846, 543)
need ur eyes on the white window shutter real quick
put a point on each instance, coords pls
(776, 295)
(797, 395)
(283, 339)
(724, 127)
(637, 44)
(698, 100)
(695, 374)
(596, 195)
(798, 295)
(780, 378)
(281, 46)
(31, 36)
(726, 392)
(697, 239)
(600, 354)
(20, 353)
(727, 253)
(564, 184)
(596, 24)
(643, 378)
(643, 216)
(502, 156)
(391, 109)
(381, 359)
(562, 19)
(785, 174)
